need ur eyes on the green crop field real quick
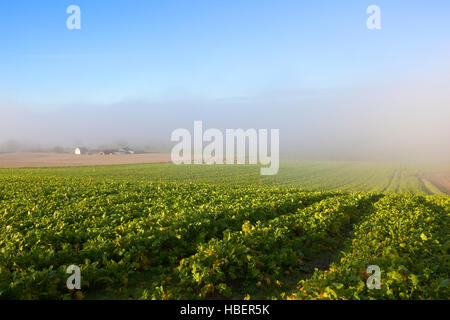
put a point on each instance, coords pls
(312, 175)
(160, 231)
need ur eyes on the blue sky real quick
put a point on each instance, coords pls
(207, 49)
(310, 68)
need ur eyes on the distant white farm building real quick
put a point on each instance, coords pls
(79, 151)
(103, 151)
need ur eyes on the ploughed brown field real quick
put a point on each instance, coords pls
(27, 160)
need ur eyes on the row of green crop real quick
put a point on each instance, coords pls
(408, 238)
(259, 254)
(114, 229)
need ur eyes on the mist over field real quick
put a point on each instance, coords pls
(393, 119)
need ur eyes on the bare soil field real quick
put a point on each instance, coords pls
(27, 160)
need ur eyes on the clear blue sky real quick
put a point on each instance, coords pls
(129, 49)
